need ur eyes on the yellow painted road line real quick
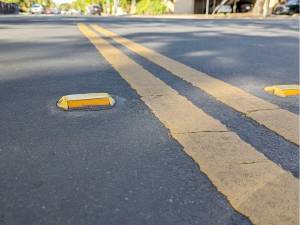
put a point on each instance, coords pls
(284, 90)
(254, 185)
(278, 120)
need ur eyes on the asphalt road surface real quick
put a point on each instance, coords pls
(122, 166)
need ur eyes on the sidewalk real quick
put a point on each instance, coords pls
(217, 16)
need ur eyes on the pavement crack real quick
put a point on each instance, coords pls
(203, 131)
(253, 162)
(153, 95)
(258, 110)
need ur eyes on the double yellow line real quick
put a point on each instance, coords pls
(278, 120)
(254, 185)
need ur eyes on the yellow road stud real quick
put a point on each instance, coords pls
(85, 101)
(284, 90)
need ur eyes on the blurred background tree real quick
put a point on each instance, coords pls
(65, 6)
(81, 5)
(151, 7)
(24, 5)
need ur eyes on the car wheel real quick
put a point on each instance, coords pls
(278, 11)
(245, 8)
(291, 12)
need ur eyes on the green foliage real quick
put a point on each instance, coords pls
(151, 7)
(81, 5)
(125, 4)
(65, 6)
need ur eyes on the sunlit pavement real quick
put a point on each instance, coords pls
(124, 165)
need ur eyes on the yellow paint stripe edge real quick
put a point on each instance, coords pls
(271, 116)
(254, 185)
(284, 90)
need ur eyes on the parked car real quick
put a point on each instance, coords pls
(94, 10)
(289, 8)
(74, 12)
(244, 5)
(222, 9)
(36, 9)
(54, 11)
(9, 8)
(47, 11)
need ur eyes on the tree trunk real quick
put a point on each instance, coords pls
(133, 7)
(259, 7)
(115, 7)
(214, 5)
(107, 6)
(266, 8)
(221, 4)
(207, 7)
(234, 6)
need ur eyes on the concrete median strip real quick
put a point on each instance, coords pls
(232, 96)
(254, 185)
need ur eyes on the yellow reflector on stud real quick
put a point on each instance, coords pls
(85, 101)
(284, 90)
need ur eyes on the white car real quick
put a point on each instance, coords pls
(36, 9)
(225, 9)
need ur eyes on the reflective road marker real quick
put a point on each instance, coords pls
(278, 120)
(254, 185)
(85, 101)
(284, 90)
